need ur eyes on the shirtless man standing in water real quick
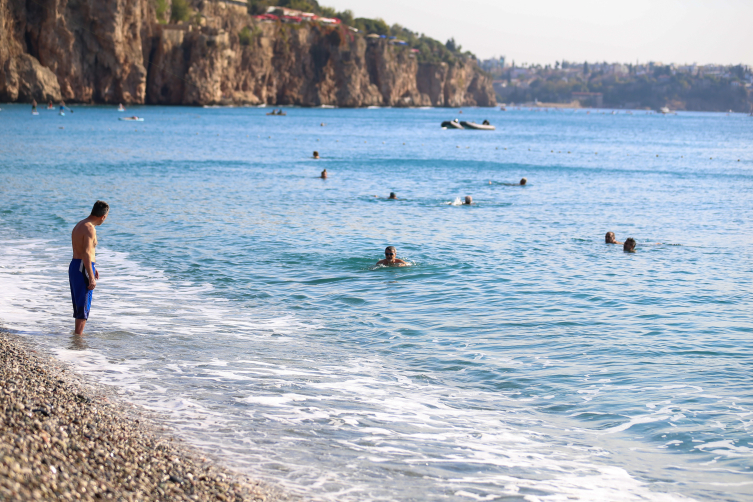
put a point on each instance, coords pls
(82, 273)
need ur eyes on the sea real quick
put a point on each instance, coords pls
(517, 357)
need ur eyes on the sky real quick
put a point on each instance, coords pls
(545, 31)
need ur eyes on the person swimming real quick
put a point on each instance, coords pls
(468, 200)
(324, 175)
(316, 154)
(610, 239)
(629, 246)
(391, 259)
(392, 196)
(33, 105)
(523, 182)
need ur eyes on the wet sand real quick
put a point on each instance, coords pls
(64, 439)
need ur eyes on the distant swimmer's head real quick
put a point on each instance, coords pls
(316, 154)
(468, 200)
(324, 173)
(100, 211)
(610, 238)
(392, 195)
(629, 246)
(523, 181)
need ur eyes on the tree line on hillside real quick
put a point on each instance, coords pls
(650, 86)
(428, 49)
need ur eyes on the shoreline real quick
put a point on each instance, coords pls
(65, 438)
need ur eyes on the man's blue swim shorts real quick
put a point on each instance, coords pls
(80, 292)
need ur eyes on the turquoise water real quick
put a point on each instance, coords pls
(518, 357)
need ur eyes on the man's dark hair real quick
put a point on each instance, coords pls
(629, 244)
(100, 208)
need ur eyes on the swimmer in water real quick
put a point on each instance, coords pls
(33, 105)
(392, 196)
(391, 259)
(629, 246)
(324, 175)
(523, 182)
(316, 154)
(468, 200)
(610, 239)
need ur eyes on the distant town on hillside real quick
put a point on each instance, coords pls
(615, 85)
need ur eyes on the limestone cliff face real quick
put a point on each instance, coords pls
(110, 51)
(93, 47)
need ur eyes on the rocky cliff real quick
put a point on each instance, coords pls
(111, 51)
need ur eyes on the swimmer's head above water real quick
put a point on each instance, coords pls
(324, 174)
(629, 246)
(391, 259)
(392, 195)
(468, 200)
(316, 154)
(609, 238)
(523, 181)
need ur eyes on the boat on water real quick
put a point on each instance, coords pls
(131, 119)
(451, 124)
(484, 126)
(464, 124)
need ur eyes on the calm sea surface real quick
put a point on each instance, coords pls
(518, 357)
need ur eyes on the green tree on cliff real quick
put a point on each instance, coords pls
(180, 11)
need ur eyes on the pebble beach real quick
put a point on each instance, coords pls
(64, 439)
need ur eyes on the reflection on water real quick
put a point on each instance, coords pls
(521, 357)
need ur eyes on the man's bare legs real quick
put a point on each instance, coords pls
(80, 323)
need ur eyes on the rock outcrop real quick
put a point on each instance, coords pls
(94, 48)
(115, 51)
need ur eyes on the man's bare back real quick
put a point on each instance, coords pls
(82, 272)
(84, 242)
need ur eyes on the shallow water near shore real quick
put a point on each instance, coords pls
(518, 358)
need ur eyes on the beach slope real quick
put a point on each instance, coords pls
(61, 439)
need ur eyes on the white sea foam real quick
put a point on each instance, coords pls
(361, 413)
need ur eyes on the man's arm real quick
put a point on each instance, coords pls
(89, 238)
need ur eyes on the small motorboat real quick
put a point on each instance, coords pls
(485, 126)
(451, 124)
(132, 119)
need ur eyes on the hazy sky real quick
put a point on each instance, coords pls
(545, 31)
